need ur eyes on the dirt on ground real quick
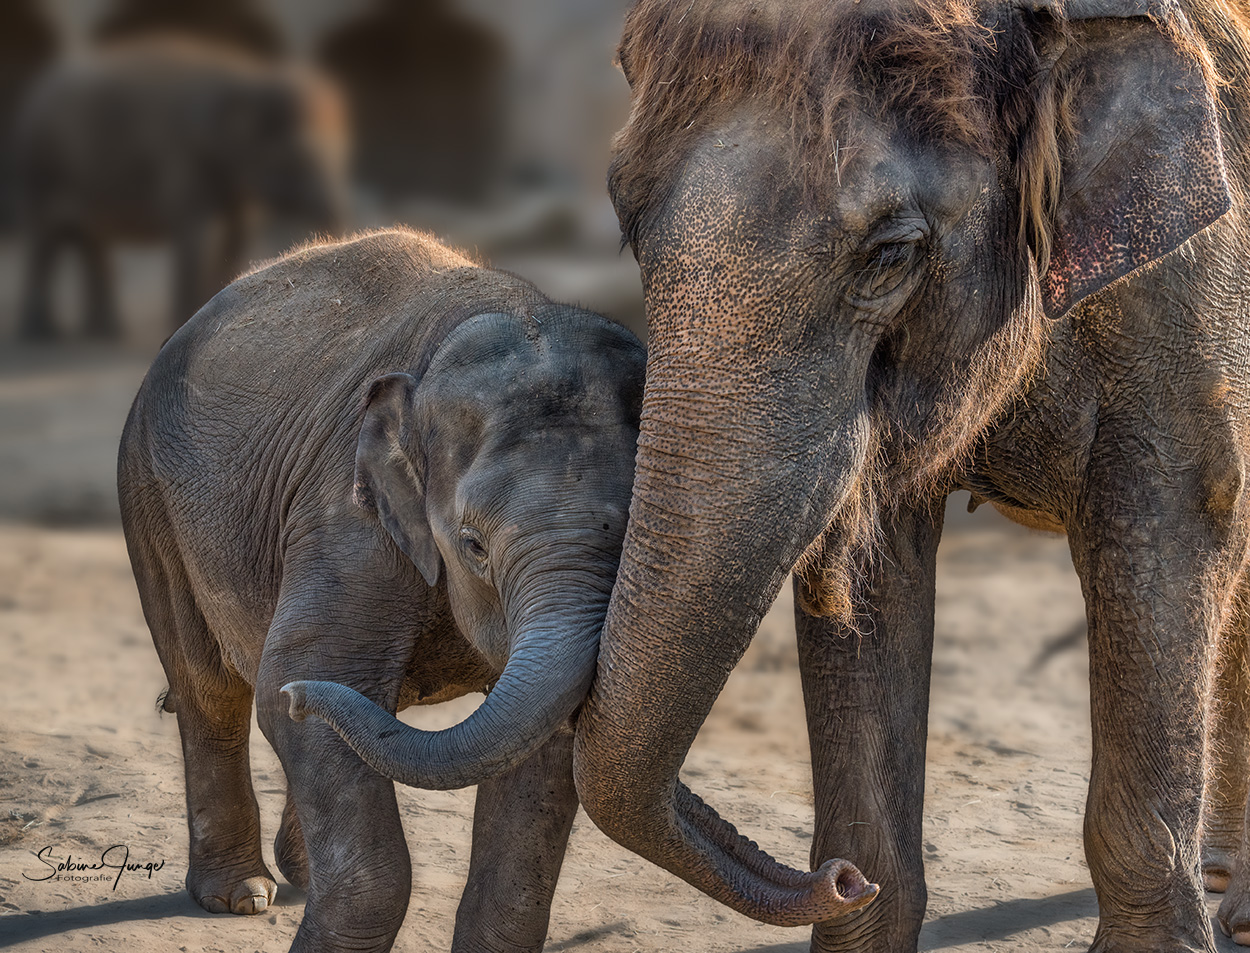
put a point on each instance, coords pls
(86, 761)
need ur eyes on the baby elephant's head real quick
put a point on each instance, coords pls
(504, 474)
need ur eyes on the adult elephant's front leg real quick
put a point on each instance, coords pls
(520, 831)
(359, 872)
(1149, 562)
(867, 694)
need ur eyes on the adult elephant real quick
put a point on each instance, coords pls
(893, 249)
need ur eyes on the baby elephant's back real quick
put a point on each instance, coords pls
(251, 411)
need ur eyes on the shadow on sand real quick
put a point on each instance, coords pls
(986, 923)
(1005, 919)
(33, 926)
(20, 928)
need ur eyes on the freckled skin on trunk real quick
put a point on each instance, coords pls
(655, 686)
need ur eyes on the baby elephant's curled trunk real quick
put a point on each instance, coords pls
(545, 680)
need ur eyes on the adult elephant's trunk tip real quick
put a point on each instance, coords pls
(845, 887)
(681, 833)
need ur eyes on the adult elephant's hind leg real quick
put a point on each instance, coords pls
(520, 830)
(36, 322)
(1150, 581)
(1228, 753)
(101, 318)
(226, 873)
(289, 850)
(867, 700)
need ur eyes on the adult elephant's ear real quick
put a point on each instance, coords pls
(387, 480)
(1143, 169)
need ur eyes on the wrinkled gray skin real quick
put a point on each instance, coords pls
(803, 338)
(167, 139)
(377, 464)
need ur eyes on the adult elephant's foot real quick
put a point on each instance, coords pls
(1217, 868)
(230, 890)
(1196, 939)
(1234, 912)
(288, 848)
(893, 928)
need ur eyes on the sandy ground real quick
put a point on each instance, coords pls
(86, 762)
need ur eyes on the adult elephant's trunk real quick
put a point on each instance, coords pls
(546, 677)
(734, 479)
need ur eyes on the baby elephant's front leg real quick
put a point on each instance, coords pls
(520, 830)
(359, 872)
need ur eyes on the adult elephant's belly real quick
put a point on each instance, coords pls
(1021, 499)
(1031, 516)
(1033, 519)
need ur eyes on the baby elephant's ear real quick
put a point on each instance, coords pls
(387, 483)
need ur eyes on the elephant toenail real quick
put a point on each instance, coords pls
(215, 904)
(1215, 879)
(257, 903)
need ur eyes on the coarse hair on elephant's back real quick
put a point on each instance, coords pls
(370, 282)
(940, 69)
(400, 242)
(381, 299)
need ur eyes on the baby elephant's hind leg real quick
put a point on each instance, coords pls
(288, 847)
(226, 873)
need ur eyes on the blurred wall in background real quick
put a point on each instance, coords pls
(487, 122)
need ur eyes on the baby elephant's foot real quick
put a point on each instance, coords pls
(225, 891)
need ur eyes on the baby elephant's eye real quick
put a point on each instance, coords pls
(472, 543)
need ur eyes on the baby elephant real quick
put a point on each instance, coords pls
(378, 464)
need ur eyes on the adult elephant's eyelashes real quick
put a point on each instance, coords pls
(885, 269)
(891, 263)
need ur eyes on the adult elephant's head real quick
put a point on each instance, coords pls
(854, 220)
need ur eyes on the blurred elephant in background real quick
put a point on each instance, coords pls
(166, 138)
(377, 464)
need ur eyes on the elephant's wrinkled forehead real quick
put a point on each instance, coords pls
(926, 68)
(559, 368)
(735, 175)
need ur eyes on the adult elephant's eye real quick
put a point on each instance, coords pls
(473, 544)
(889, 266)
